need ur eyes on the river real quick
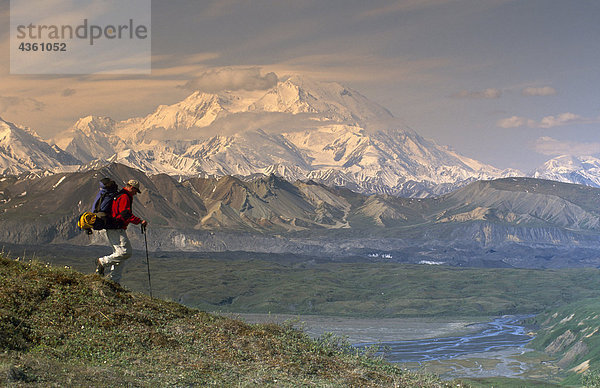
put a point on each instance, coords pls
(451, 348)
(412, 339)
(501, 333)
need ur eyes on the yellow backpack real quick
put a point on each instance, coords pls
(86, 221)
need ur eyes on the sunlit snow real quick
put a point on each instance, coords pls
(59, 182)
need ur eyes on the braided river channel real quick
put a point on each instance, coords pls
(501, 333)
(460, 348)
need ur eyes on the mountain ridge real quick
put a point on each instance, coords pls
(270, 214)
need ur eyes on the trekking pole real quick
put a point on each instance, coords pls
(147, 259)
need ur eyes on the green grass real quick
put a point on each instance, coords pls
(263, 283)
(360, 289)
(59, 327)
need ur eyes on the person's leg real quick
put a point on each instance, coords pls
(117, 264)
(121, 252)
(113, 238)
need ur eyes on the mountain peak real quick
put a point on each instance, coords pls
(5, 128)
(300, 128)
(564, 161)
(571, 169)
(90, 124)
(196, 99)
(13, 131)
(197, 110)
(298, 94)
(23, 150)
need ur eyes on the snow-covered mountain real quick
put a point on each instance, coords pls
(299, 129)
(22, 150)
(330, 100)
(91, 138)
(196, 111)
(584, 170)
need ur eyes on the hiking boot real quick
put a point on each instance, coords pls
(99, 268)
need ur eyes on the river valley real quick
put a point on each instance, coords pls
(499, 334)
(451, 339)
(451, 348)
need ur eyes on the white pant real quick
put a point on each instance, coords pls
(121, 252)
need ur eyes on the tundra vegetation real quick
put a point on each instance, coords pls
(59, 327)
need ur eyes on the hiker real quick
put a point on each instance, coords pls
(123, 216)
(102, 206)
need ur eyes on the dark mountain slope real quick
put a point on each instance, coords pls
(269, 214)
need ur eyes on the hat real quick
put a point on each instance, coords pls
(135, 184)
(108, 184)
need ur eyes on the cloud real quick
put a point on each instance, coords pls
(514, 122)
(14, 103)
(489, 93)
(549, 146)
(542, 91)
(40, 104)
(562, 119)
(68, 92)
(232, 79)
(181, 66)
(220, 8)
(403, 6)
(416, 5)
(270, 122)
(361, 67)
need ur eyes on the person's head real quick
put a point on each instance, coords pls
(108, 184)
(133, 186)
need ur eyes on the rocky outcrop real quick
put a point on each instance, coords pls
(571, 355)
(561, 342)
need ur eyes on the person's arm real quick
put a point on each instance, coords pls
(128, 213)
(135, 220)
(123, 210)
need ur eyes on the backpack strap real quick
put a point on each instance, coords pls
(99, 202)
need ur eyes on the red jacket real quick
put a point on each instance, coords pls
(121, 209)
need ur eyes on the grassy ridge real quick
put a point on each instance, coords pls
(571, 334)
(360, 289)
(59, 327)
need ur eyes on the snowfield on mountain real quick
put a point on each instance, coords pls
(299, 130)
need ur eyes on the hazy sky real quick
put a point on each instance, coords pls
(510, 83)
